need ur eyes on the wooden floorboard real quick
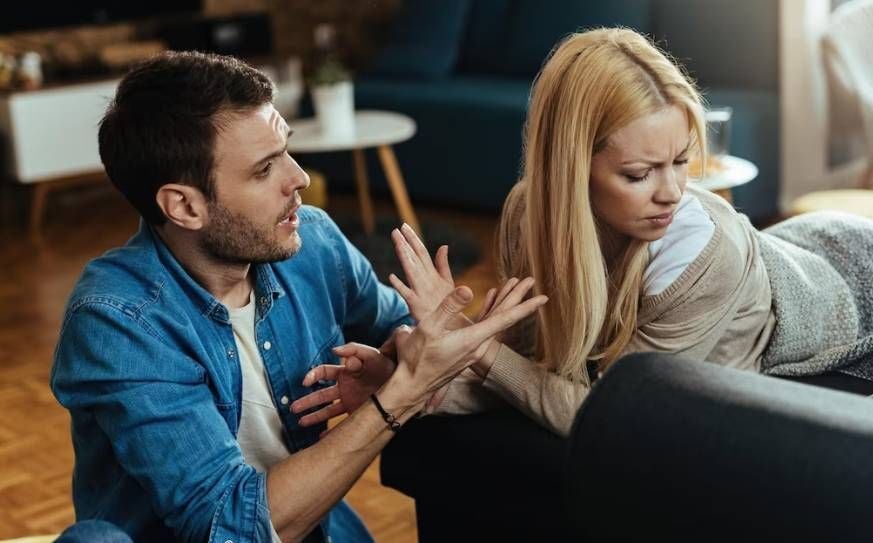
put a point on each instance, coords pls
(36, 455)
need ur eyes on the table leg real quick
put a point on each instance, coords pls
(41, 191)
(398, 187)
(37, 209)
(363, 185)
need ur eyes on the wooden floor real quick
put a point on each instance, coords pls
(36, 456)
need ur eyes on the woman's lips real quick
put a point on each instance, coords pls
(663, 219)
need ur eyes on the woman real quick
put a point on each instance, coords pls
(633, 258)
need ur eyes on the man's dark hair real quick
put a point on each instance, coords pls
(162, 125)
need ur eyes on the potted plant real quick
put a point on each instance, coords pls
(333, 95)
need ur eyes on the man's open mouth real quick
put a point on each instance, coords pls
(291, 218)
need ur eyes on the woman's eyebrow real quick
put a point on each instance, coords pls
(653, 162)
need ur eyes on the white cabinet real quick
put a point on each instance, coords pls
(52, 133)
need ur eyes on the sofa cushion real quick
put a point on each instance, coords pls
(425, 40)
(463, 91)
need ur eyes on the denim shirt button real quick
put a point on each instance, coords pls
(267, 345)
(231, 353)
(284, 400)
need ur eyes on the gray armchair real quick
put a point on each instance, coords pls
(663, 446)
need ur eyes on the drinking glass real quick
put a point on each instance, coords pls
(718, 132)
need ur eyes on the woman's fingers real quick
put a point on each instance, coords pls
(417, 246)
(499, 321)
(404, 291)
(504, 291)
(490, 296)
(515, 294)
(442, 264)
(409, 261)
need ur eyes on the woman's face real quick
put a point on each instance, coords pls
(638, 178)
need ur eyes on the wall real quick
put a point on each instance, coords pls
(804, 103)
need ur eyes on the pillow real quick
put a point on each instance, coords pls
(425, 40)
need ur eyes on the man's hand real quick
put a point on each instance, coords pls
(363, 370)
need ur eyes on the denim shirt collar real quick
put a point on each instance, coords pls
(267, 288)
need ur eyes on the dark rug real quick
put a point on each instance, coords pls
(464, 250)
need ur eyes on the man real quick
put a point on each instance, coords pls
(181, 352)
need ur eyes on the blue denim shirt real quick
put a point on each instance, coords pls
(148, 367)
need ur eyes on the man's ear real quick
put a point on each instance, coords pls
(183, 205)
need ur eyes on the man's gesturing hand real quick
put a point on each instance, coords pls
(429, 356)
(363, 370)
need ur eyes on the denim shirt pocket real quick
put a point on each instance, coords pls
(325, 354)
(302, 437)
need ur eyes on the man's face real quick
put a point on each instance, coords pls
(639, 177)
(253, 215)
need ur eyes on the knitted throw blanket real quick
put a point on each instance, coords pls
(821, 274)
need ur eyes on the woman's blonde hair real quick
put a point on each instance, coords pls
(593, 84)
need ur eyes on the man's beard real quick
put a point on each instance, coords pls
(235, 239)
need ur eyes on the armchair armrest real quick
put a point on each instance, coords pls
(489, 477)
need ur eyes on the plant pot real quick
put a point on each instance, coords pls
(335, 109)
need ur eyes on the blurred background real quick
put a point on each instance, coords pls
(457, 73)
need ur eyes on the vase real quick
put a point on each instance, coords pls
(335, 109)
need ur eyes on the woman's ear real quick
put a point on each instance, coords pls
(183, 205)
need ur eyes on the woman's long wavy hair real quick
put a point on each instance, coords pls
(593, 84)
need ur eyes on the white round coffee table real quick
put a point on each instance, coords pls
(379, 129)
(734, 171)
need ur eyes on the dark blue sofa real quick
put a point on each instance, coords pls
(463, 69)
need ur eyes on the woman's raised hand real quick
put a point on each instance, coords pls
(429, 281)
(433, 353)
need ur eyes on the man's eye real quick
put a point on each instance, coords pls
(265, 171)
(680, 161)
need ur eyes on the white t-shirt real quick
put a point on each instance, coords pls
(687, 235)
(260, 429)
